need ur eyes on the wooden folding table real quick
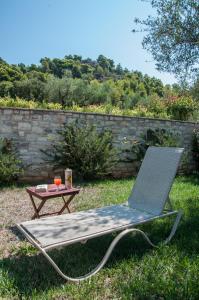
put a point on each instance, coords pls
(51, 193)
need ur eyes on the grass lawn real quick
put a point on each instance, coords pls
(134, 271)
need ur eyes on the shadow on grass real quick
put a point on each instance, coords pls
(192, 179)
(31, 271)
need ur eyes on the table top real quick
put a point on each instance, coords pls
(52, 191)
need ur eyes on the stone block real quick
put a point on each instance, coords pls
(24, 126)
(26, 112)
(37, 129)
(88, 117)
(61, 119)
(23, 151)
(6, 129)
(21, 133)
(37, 117)
(8, 111)
(5, 117)
(32, 137)
(17, 117)
(48, 117)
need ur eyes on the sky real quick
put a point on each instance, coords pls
(32, 29)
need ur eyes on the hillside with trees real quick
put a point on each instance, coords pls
(83, 83)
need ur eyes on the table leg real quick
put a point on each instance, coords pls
(37, 209)
(66, 203)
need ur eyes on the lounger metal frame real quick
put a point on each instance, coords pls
(126, 230)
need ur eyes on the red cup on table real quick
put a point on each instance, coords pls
(57, 181)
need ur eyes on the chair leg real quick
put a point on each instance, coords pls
(108, 252)
(175, 226)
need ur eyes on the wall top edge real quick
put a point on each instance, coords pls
(110, 116)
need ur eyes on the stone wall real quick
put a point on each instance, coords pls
(33, 130)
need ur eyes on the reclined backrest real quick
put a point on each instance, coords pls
(155, 178)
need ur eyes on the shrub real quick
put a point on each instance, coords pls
(158, 137)
(22, 103)
(6, 88)
(10, 165)
(181, 108)
(157, 106)
(50, 105)
(89, 153)
(139, 111)
(195, 147)
(153, 108)
(18, 102)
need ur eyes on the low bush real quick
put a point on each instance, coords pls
(89, 153)
(153, 107)
(22, 103)
(157, 106)
(138, 111)
(10, 165)
(158, 137)
(181, 108)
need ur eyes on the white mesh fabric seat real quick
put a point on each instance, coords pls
(146, 202)
(155, 178)
(74, 227)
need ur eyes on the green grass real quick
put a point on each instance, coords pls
(134, 271)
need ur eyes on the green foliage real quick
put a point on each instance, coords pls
(195, 147)
(6, 88)
(10, 165)
(86, 84)
(9, 72)
(158, 137)
(195, 90)
(181, 108)
(22, 103)
(172, 36)
(150, 108)
(89, 153)
(31, 89)
(30, 80)
(154, 105)
(161, 137)
(59, 90)
(138, 111)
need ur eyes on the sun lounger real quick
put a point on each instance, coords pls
(146, 202)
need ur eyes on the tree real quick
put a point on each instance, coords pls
(59, 90)
(9, 72)
(76, 72)
(98, 72)
(173, 36)
(195, 90)
(31, 89)
(119, 70)
(6, 88)
(45, 64)
(74, 80)
(105, 62)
